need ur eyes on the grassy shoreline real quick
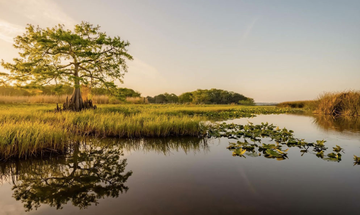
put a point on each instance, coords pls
(336, 104)
(27, 130)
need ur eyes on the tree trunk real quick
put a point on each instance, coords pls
(76, 102)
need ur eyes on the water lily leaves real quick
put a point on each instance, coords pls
(279, 136)
(320, 146)
(333, 157)
(320, 154)
(337, 149)
(356, 160)
(239, 152)
(275, 153)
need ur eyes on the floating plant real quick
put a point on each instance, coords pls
(255, 133)
(356, 160)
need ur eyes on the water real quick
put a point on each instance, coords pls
(190, 176)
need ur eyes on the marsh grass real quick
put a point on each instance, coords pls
(336, 104)
(308, 104)
(28, 129)
(53, 99)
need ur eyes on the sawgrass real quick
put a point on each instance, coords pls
(345, 103)
(308, 104)
(27, 130)
(342, 103)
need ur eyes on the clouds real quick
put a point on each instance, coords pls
(16, 14)
(249, 28)
(8, 31)
(39, 11)
(144, 77)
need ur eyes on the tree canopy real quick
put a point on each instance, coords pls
(84, 56)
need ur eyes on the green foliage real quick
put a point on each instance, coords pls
(337, 149)
(84, 56)
(356, 160)
(115, 94)
(248, 102)
(163, 98)
(27, 130)
(159, 99)
(185, 98)
(282, 137)
(334, 156)
(320, 146)
(320, 154)
(212, 96)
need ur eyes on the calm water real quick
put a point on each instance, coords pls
(190, 176)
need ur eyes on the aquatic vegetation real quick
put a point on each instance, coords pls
(345, 103)
(320, 154)
(356, 160)
(239, 152)
(269, 132)
(278, 154)
(28, 130)
(320, 146)
(308, 104)
(337, 149)
(334, 156)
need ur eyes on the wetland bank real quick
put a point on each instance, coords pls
(155, 174)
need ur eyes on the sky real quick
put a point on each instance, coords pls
(269, 50)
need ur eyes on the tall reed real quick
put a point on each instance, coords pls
(27, 129)
(336, 104)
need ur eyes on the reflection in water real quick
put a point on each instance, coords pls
(88, 173)
(340, 124)
(162, 145)
(191, 183)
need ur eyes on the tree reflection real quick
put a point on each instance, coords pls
(163, 145)
(84, 176)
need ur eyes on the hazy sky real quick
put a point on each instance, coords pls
(270, 50)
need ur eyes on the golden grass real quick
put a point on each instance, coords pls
(53, 99)
(308, 104)
(336, 104)
(342, 103)
(28, 129)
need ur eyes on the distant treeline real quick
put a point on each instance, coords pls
(120, 93)
(212, 96)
